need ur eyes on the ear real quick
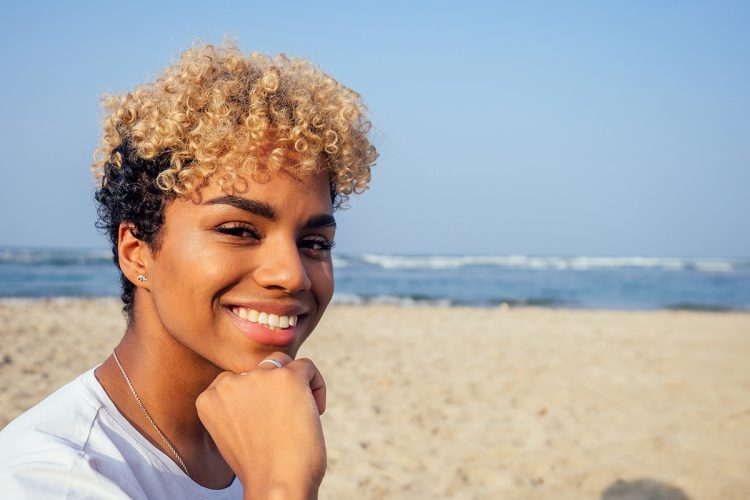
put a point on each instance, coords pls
(134, 255)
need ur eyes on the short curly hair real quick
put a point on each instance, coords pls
(219, 114)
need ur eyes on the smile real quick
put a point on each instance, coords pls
(271, 321)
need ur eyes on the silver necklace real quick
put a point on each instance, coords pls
(148, 416)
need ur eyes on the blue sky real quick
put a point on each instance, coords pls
(571, 128)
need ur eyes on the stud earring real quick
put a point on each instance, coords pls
(142, 278)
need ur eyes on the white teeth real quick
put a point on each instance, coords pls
(271, 321)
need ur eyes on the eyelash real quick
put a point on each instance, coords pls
(238, 230)
(242, 231)
(324, 245)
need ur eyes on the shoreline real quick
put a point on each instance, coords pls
(459, 402)
(407, 303)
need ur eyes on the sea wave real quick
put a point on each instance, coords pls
(339, 262)
(580, 263)
(422, 300)
(54, 257)
(393, 300)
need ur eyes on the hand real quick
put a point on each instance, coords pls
(266, 424)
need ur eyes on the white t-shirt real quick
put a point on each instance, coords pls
(75, 444)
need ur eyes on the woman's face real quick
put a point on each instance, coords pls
(240, 275)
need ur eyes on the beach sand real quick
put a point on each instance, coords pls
(479, 403)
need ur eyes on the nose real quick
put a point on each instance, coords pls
(281, 267)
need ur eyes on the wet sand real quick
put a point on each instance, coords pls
(479, 403)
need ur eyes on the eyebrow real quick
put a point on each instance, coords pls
(322, 220)
(266, 211)
(252, 206)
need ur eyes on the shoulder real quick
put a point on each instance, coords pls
(75, 444)
(42, 452)
(62, 421)
(56, 475)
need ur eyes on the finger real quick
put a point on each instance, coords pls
(280, 357)
(219, 377)
(314, 378)
(318, 388)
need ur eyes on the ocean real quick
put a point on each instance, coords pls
(481, 281)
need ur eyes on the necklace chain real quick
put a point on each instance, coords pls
(148, 416)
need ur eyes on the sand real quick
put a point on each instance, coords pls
(479, 403)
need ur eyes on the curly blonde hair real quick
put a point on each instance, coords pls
(217, 112)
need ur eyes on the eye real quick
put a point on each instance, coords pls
(238, 230)
(317, 245)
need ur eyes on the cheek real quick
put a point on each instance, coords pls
(321, 277)
(188, 280)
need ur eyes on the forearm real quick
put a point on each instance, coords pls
(282, 491)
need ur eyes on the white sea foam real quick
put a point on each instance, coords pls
(339, 262)
(714, 266)
(390, 300)
(580, 263)
(441, 261)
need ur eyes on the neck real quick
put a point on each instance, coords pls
(168, 377)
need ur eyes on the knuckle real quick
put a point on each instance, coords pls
(218, 388)
(218, 381)
(306, 363)
(223, 385)
(286, 376)
(201, 402)
(307, 367)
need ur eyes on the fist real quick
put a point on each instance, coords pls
(266, 424)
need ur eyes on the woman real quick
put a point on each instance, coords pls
(218, 186)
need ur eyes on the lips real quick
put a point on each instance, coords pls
(278, 328)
